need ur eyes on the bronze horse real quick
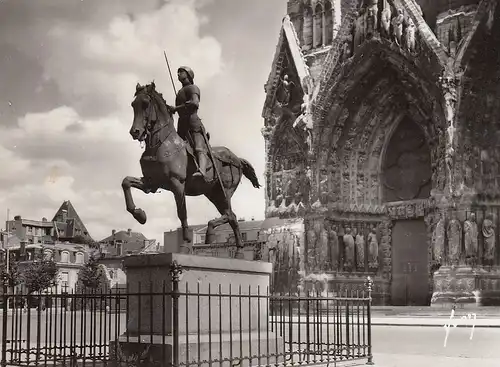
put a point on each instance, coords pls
(168, 163)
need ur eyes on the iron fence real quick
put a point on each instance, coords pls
(195, 326)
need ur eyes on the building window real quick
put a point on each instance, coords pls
(202, 238)
(64, 276)
(244, 236)
(64, 279)
(65, 257)
(47, 255)
(79, 258)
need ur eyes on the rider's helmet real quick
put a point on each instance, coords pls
(189, 72)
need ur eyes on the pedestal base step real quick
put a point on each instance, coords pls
(222, 349)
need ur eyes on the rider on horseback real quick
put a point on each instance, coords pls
(189, 125)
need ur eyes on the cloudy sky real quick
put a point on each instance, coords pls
(68, 70)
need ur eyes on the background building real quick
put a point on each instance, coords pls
(117, 246)
(66, 225)
(381, 131)
(65, 239)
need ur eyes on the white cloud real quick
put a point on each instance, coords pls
(105, 63)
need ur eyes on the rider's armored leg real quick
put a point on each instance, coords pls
(201, 154)
(202, 163)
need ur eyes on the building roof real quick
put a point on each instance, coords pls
(69, 209)
(36, 223)
(132, 242)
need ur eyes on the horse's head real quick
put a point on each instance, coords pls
(149, 109)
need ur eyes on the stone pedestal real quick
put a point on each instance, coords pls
(213, 323)
(489, 292)
(456, 285)
(466, 286)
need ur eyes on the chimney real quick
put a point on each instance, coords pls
(129, 232)
(113, 232)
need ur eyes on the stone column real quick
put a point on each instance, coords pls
(336, 16)
(267, 133)
(449, 85)
(323, 28)
(307, 32)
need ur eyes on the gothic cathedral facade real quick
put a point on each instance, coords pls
(382, 132)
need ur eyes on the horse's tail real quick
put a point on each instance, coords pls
(249, 172)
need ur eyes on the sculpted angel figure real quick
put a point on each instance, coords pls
(397, 26)
(386, 21)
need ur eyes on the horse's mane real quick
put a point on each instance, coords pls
(151, 89)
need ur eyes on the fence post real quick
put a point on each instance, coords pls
(369, 288)
(175, 272)
(5, 307)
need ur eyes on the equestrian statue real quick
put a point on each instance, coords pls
(183, 161)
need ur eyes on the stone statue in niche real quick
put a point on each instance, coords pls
(349, 248)
(373, 249)
(397, 26)
(410, 36)
(333, 239)
(372, 17)
(284, 95)
(489, 239)
(471, 241)
(359, 28)
(322, 251)
(454, 232)
(438, 241)
(304, 121)
(279, 191)
(311, 249)
(386, 21)
(323, 186)
(346, 48)
(360, 249)
(284, 91)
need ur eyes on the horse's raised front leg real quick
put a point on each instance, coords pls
(138, 183)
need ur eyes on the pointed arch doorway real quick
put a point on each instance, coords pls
(406, 177)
